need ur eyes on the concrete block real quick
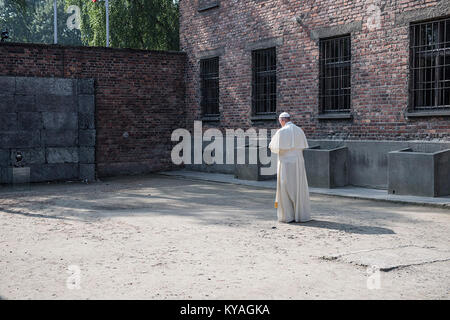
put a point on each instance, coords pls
(317, 167)
(442, 172)
(247, 171)
(85, 86)
(4, 158)
(419, 173)
(20, 175)
(86, 103)
(215, 168)
(6, 176)
(256, 171)
(29, 156)
(32, 85)
(86, 138)
(339, 167)
(29, 121)
(60, 120)
(7, 103)
(87, 155)
(264, 43)
(59, 138)
(24, 85)
(62, 155)
(332, 31)
(204, 167)
(25, 103)
(87, 172)
(62, 87)
(326, 167)
(251, 170)
(368, 163)
(54, 172)
(19, 139)
(86, 120)
(367, 160)
(54, 103)
(8, 84)
(8, 121)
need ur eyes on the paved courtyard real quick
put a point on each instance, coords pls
(160, 237)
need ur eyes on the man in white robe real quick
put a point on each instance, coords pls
(292, 197)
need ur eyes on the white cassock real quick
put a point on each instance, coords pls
(292, 197)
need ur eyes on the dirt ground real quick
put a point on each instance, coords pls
(156, 237)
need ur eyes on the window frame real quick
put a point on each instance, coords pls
(270, 74)
(208, 78)
(341, 63)
(414, 30)
(206, 5)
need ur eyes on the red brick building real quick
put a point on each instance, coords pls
(373, 102)
(371, 75)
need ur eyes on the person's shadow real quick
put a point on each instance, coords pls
(343, 227)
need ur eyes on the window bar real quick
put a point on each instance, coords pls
(209, 86)
(264, 81)
(341, 80)
(335, 81)
(428, 56)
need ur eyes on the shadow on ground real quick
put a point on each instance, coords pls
(207, 202)
(344, 227)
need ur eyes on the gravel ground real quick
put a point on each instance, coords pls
(157, 237)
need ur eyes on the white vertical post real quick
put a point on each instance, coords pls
(55, 22)
(107, 22)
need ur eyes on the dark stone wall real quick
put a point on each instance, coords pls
(139, 101)
(51, 123)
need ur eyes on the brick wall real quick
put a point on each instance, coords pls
(380, 58)
(139, 97)
(47, 125)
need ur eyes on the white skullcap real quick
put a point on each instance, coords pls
(285, 115)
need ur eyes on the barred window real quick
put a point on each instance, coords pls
(264, 84)
(207, 4)
(430, 65)
(335, 74)
(209, 77)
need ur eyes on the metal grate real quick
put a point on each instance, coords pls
(264, 96)
(209, 75)
(335, 74)
(430, 65)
